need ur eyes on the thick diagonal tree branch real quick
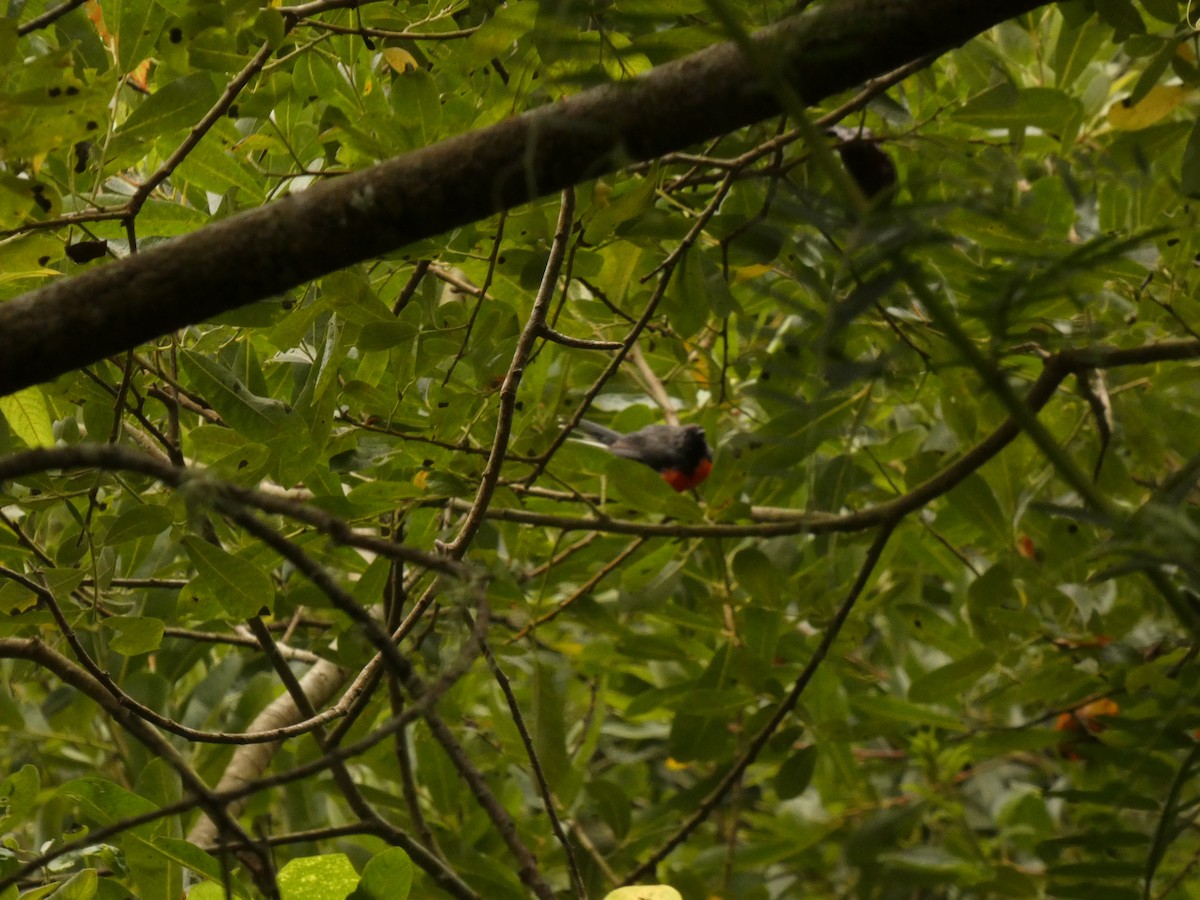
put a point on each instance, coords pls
(266, 251)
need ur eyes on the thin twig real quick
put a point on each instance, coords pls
(776, 522)
(403, 670)
(457, 34)
(409, 289)
(584, 589)
(654, 385)
(512, 380)
(578, 343)
(48, 17)
(480, 295)
(35, 651)
(71, 674)
(408, 778)
(734, 775)
(141, 710)
(201, 128)
(539, 774)
(664, 270)
(116, 457)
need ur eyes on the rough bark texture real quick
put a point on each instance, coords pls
(248, 257)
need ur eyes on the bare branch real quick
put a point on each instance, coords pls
(266, 251)
(49, 17)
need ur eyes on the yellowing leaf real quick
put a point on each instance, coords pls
(96, 15)
(28, 417)
(749, 273)
(1155, 106)
(140, 76)
(645, 892)
(312, 877)
(400, 59)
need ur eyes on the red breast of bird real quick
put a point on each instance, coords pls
(680, 453)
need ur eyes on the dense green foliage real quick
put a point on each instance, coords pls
(841, 668)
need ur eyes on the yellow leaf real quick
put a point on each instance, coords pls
(140, 76)
(748, 273)
(1155, 106)
(28, 417)
(645, 892)
(400, 59)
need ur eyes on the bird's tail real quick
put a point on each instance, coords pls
(605, 436)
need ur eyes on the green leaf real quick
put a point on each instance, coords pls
(48, 107)
(698, 739)
(914, 715)
(189, 856)
(16, 203)
(386, 876)
(18, 796)
(946, 683)
(134, 634)
(1093, 890)
(415, 97)
(8, 39)
(173, 108)
(80, 886)
(709, 702)
(240, 587)
(24, 257)
(61, 582)
(326, 877)
(796, 773)
(138, 522)
(1076, 49)
(936, 861)
(975, 504)
(136, 27)
(620, 207)
(1106, 869)
(1190, 174)
(105, 801)
(230, 455)
(612, 803)
(758, 577)
(219, 170)
(258, 418)
(1005, 106)
(16, 598)
(1122, 15)
(216, 50)
(509, 24)
(549, 728)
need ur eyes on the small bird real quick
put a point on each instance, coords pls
(870, 167)
(679, 453)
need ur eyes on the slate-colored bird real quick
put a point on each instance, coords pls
(680, 453)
